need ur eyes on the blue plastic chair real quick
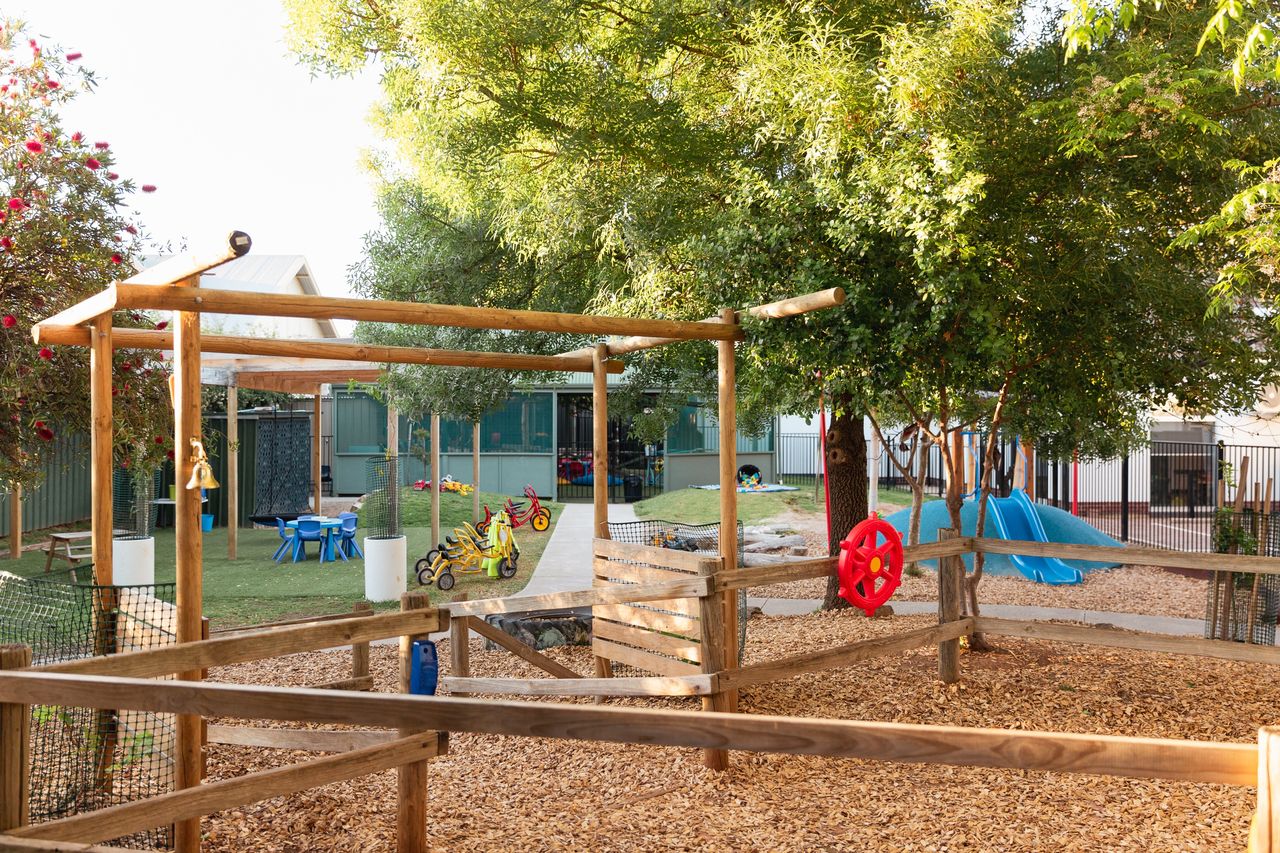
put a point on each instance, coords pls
(309, 530)
(286, 536)
(348, 542)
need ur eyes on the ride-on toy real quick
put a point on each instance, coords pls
(495, 553)
(536, 515)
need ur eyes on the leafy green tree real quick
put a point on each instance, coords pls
(64, 235)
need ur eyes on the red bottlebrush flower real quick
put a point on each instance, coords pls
(9, 321)
(3, 216)
(116, 259)
(17, 204)
(93, 163)
(6, 243)
(77, 137)
(126, 367)
(45, 353)
(52, 84)
(112, 176)
(102, 146)
(148, 188)
(72, 57)
(35, 147)
(45, 434)
(169, 453)
(162, 324)
(131, 229)
(39, 424)
(159, 439)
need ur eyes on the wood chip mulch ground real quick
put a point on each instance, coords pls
(499, 793)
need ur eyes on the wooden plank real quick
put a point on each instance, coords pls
(616, 570)
(652, 619)
(669, 557)
(688, 685)
(819, 567)
(175, 269)
(232, 483)
(614, 594)
(10, 844)
(1201, 761)
(85, 311)
(310, 740)
(411, 778)
(677, 647)
(1265, 834)
(360, 651)
(726, 384)
(845, 655)
(682, 606)
(15, 747)
(648, 661)
(1095, 635)
(356, 682)
(519, 649)
(268, 643)
(1131, 555)
(950, 590)
(410, 313)
(193, 803)
(284, 623)
(359, 355)
(102, 443)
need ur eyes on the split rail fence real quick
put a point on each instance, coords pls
(415, 727)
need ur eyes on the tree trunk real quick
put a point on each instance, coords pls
(847, 481)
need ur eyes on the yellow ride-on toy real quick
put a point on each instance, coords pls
(470, 552)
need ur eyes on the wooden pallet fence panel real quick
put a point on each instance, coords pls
(628, 594)
(654, 620)
(1149, 758)
(310, 740)
(677, 647)
(1095, 635)
(688, 685)
(273, 642)
(116, 821)
(636, 573)
(1264, 837)
(642, 659)
(846, 655)
(673, 558)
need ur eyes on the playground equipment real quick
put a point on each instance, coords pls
(870, 570)
(1015, 517)
(471, 553)
(536, 515)
(447, 484)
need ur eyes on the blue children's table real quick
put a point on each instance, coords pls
(328, 525)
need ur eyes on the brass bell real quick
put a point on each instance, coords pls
(201, 472)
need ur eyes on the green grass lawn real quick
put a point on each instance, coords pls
(699, 506)
(254, 589)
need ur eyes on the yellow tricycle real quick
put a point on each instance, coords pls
(469, 552)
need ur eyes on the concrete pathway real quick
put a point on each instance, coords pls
(566, 563)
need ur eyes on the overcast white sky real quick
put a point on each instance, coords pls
(202, 100)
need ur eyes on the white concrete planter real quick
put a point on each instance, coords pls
(386, 567)
(133, 561)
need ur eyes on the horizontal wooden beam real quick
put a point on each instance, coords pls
(268, 643)
(519, 649)
(183, 266)
(673, 558)
(305, 381)
(102, 302)
(686, 685)
(1095, 635)
(1198, 761)
(818, 567)
(694, 587)
(309, 740)
(842, 655)
(789, 307)
(218, 633)
(49, 332)
(1131, 555)
(10, 844)
(116, 821)
(211, 301)
(358, 682)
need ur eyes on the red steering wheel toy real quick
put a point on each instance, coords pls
(870, 567)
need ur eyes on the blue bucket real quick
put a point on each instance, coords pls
(206, 522)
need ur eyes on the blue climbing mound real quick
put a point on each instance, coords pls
(1016, 517)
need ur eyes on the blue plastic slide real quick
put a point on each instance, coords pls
(1016, 518)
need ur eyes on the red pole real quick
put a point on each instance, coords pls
(1075, 483)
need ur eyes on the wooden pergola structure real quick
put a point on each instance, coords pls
(174, 285)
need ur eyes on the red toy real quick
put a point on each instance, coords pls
(536, 515)
(865, 562)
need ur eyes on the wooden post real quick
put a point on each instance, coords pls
(189, 546)
(436, 474)
(102, 435)
(232, 485)
(600, 462)
(1265, 836)
(411, 779)
(315, 452)
(950, 573)
(459, 643)
(360, 651)
(15, 521)
(475, 473)
(711, 645)
(728, 406)
(15, 748)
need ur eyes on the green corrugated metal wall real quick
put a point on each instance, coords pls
(62, 496)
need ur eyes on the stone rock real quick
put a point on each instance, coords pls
(543, 632)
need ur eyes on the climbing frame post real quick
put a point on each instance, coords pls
(15, 748)
(600, 463)
(411, 779)
(232, 484)
(436, 474)
(728, 407)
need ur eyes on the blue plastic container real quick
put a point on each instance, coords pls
(206, 522)
(424, 668)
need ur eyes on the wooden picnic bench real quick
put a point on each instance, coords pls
(76, 546)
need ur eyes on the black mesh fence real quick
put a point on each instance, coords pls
(697, 538)
(84, 759)
(382, 506)
(1243, 606)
